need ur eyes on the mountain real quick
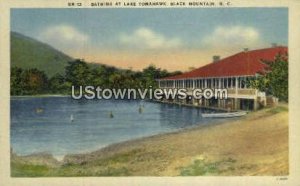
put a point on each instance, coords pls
(28, 53)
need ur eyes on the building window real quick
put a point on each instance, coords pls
(200, 83)
(242, 82)
(188, 83)
(221, 83)
(233, 83)
(209, 83)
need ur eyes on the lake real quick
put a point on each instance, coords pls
(43, 124)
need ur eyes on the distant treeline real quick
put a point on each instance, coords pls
(79, 73)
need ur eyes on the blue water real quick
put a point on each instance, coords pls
(52, 130)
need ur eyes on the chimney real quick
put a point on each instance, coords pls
(216, 58)
(274, 45)
(246, 49)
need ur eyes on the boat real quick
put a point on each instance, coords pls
(224, 114)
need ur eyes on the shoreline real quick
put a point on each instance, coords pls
(37, 96)
(60, 158)
(256, 144)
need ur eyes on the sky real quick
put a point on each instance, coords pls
(169, 38)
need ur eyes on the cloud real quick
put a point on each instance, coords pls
(233, 36)
(146, 38)
(64, 37)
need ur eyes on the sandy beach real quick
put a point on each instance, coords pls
(256, 144)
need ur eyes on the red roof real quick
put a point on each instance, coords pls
(240, 64)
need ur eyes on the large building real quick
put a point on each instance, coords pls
(231, 73)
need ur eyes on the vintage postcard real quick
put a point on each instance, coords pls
(149, 92)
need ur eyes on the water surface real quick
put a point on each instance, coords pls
(51, 130)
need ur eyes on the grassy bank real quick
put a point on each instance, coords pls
(254, 145)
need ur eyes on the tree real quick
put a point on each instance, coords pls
(16, 81)
(274, 79)
(99, 77)
(58, 84)
(35, 81)
(150, 74)
(78, 73)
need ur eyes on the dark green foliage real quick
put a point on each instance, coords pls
(99, 74)
(199, 168)
(150, 74)
(28, 82)
(59, 85)
(16, 81)
(80, 73)
(202, 167)
(36, 82)
(274, 79)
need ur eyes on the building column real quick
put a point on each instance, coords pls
(206, 103)
(255, 104)
(219, 103)
(232, 104)
(237, 104)
(236, 86)
(222, 103)
(195, 102)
